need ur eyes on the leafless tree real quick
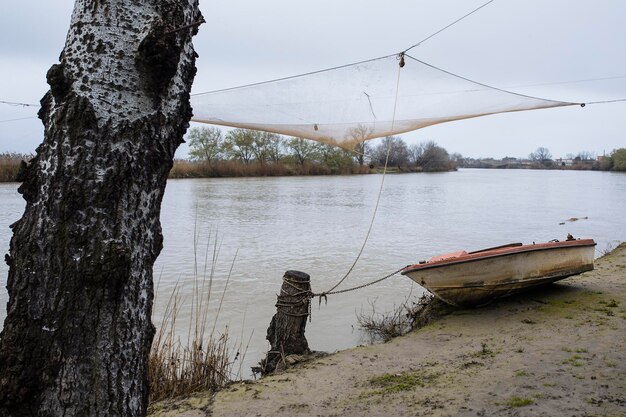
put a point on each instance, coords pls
(360, 134)
(397, 150)
(540, 155)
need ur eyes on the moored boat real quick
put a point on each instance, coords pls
(477, 278)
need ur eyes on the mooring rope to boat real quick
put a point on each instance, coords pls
(305, 296)
(358, 287)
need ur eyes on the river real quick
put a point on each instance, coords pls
(261, 227)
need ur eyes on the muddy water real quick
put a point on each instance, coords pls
(261, 227)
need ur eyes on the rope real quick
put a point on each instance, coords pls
(21, 118)
(285, 307)
(585, 80)
(13, 103)
(324, 294)
(293, 76)
(604, 101)
(380, 191)
(446, 27)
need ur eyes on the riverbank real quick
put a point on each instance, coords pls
(9, 169)
(558, 351)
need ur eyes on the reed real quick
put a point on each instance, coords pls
(204, 362)
(218, 169)
(10, 165)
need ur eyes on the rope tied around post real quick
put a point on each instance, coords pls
(288, 302)
(293, 305)
(294, 294)
(286, 330)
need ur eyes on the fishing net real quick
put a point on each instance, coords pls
(350, 104)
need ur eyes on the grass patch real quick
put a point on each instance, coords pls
(471, 364)
(484, 352)
(519, 401)
(605, 310)
(574, 360)
(610, 304)
(521, 373)
(405, 381)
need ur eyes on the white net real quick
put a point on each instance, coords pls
(347, 105)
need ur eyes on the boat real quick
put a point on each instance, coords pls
(471, 279)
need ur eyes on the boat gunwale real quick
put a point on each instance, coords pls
(502, 252)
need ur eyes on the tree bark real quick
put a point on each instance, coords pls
(78, 328)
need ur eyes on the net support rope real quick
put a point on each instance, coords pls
(380, 192)
(447, 26)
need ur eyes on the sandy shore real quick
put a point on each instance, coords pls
(559, 351)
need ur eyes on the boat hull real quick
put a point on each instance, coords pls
(477, 279)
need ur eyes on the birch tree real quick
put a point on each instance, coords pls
(78, 330)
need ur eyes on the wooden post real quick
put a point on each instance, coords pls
(286, 330)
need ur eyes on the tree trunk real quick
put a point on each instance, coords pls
(286, 330)
(78, 328)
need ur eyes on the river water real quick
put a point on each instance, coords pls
(261, 227)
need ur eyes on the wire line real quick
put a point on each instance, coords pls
(446, 27)
(13, 103)
(605, 101)
(21, 118)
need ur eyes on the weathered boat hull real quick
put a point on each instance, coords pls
(478, 278)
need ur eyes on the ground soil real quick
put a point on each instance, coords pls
(557, 351)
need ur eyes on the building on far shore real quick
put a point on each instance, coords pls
(564, 162)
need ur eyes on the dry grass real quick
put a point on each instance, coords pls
(204, 362)
(610, 247)
(176, 369)
(10, 165)
(218, 169)
(385, 326)
(402, 319)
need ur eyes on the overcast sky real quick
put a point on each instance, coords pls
(533, 47)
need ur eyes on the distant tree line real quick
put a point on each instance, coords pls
(542, 158)
(242, 152)
(616, 161)
(426, 156)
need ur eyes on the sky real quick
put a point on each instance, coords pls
(549, 49)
